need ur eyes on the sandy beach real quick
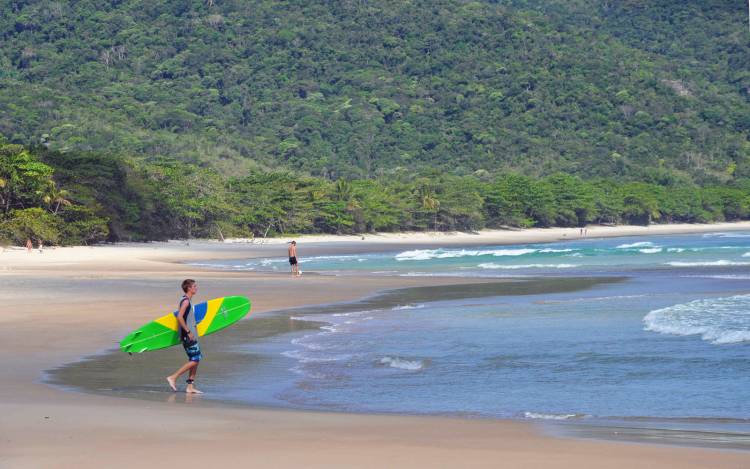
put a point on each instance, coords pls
(68, 303)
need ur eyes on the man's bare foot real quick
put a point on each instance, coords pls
(192, 390)
(171, 382)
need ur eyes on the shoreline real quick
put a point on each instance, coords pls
(693, 432)
(136, 258)
(164, 251)
(76, 301)
(509, 236)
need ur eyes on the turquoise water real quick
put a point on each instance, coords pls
(579, 257)
(670, 343)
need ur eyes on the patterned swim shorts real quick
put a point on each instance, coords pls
(193, 350)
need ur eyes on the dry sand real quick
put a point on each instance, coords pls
(70, 302)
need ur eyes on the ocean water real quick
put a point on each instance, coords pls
(667, 347)
(576, 257)
(639, 339)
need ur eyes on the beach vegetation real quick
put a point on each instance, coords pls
(84, 198)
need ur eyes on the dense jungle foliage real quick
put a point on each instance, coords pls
(629, 89)
(137, 120)
(80, 198)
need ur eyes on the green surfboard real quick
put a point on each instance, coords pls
(210, 316)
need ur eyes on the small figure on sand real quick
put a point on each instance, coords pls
(29, 246)
(189, 338)
(293, 258)
(41, 247)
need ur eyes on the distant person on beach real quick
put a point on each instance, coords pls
(293, 258)
(29, 246)
(41, 246)
(189, 338)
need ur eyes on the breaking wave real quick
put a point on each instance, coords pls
(716, 320)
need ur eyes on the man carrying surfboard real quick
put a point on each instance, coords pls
(189, 337)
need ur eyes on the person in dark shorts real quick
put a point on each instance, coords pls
(293, 258)
(189, 338)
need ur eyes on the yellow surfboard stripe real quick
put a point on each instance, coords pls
(211, 310)
(169, 321)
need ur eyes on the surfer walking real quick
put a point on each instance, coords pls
(293, 263)
(189, 338)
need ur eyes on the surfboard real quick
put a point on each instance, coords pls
(210, 316)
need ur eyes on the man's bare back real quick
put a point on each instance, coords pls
(293, 263)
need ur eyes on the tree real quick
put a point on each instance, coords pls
(428, 199)
(30, 223)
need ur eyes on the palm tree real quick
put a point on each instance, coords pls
(343, 190)
(53, 195)
(429, 201)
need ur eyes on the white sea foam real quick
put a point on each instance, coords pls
(719, 263)
(650, 250)
(325, 258)
(304, 357)
(416, 255)
(716, 320)
(492, 265)
(267, 262)
(511, 252)
(541, 416)
(349, 314)
(426, 254)
(615, 297)
(300, 370)
(726, 235)
(402, 364)
(703, 249)
(643, 244)
(556, 250)
(303, 341)
(721, 277)
(400, 307)
(747, 254)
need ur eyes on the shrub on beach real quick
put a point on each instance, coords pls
(31, 223)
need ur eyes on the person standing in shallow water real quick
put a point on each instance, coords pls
(293, 263)
(189, 338)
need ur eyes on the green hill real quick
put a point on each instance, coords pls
(632, 89)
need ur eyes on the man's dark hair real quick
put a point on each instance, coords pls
(186, 284)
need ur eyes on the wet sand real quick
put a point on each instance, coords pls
(142, 375)
(57, 309)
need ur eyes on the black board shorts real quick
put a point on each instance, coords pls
(293, 260)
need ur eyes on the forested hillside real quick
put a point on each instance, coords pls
(633, 90)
